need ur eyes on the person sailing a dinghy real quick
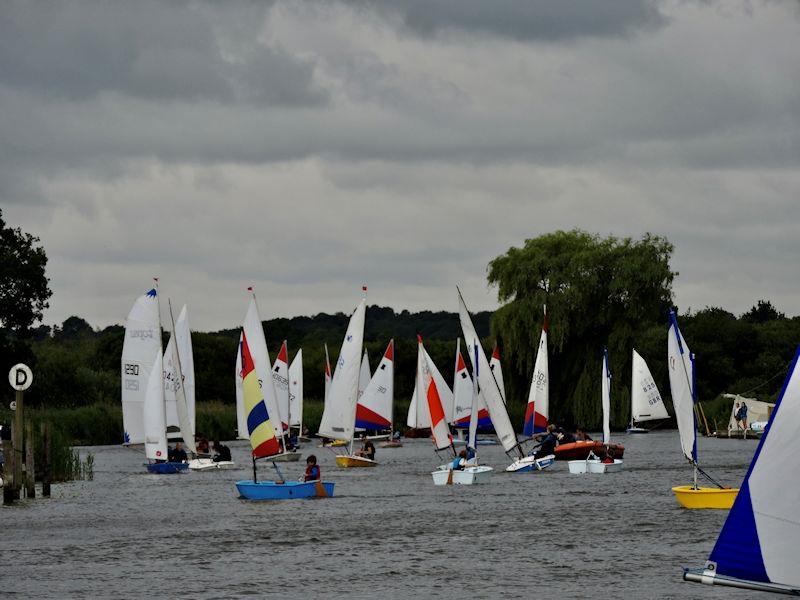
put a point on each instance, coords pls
(581, 435)
(367, 449)
(548, 443)
(312, 470)
(459, 462)
(177, 454)
(221, 452)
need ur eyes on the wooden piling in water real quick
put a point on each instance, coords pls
(30, 471)
(10, 453)
(46, 467)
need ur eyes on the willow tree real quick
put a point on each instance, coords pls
(599, 292)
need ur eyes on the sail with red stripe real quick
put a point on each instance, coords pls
(280, 376)
(538, 408)
(463, 392)
(440, 432)
(374, 408)
(497, 370)
(259, 425)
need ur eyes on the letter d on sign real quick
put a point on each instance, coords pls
(20, 377)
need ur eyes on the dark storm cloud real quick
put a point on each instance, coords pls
(150, 50)
(523, 20)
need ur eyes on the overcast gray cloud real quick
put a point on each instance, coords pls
(531, 20)
(309, 147)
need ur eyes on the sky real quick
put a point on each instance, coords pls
(307, 148)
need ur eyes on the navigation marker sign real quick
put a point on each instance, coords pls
(20, 377)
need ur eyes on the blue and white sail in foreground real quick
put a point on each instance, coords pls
(758, 545)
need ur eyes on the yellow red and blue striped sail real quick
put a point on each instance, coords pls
(259, 426)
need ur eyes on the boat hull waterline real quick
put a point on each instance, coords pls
(529, 463)
(208, 464)
(167, 468)
(287, 490)
(720, 498)
(350, 462)
(467, 476)
(596, 466)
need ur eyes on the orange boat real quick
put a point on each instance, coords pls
(581, 450)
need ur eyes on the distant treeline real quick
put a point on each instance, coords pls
(77, 366)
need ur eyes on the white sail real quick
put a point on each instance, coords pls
(374, 410)
(338, 419)
(474, 404)
(296, 390)
(175, 394)
(429, 401)
(537, 411)
(155, 418)
(364, 375)
(328, 375)
(241, 419)
(758, 542)
(419, 419)
(486, 381)
(646, 402)
(462, 390)
(142, 339)
(257, 344)
(497, 370)
(680, 365)
(179, 380)
(606, 393)
(280, 377)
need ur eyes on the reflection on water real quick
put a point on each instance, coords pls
(388, 533)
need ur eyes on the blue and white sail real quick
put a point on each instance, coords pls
(680, 365)
(757, 547)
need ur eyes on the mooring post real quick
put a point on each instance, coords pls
(10, 454)
(46, 473)
(30, 471)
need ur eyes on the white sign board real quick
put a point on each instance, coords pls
(20, 377)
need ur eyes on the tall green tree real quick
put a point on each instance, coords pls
(24, 289)
(599, 292)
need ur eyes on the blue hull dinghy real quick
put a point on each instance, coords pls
(167, 468)
(288, 490)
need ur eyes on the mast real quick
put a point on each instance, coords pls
(158, 302)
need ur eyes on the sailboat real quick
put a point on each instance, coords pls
(166, 380)
(646, 402)
(241, 418)
(374, 410)
(328, 376)
(253, 331)
(339, 417)
(497, 370)
(418, 418)
(462, 392)
(142, 339)
(680, 365)
(296, 395)
(280, 376)
(757, 547)
(471, 472)
(264, 442)
(593, 463)
(537, 409)
(487, 386)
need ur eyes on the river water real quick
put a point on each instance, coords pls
(387, 533)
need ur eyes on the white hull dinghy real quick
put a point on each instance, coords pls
(594, 465)
(466, 476)
(208, 464)
(530, 463)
